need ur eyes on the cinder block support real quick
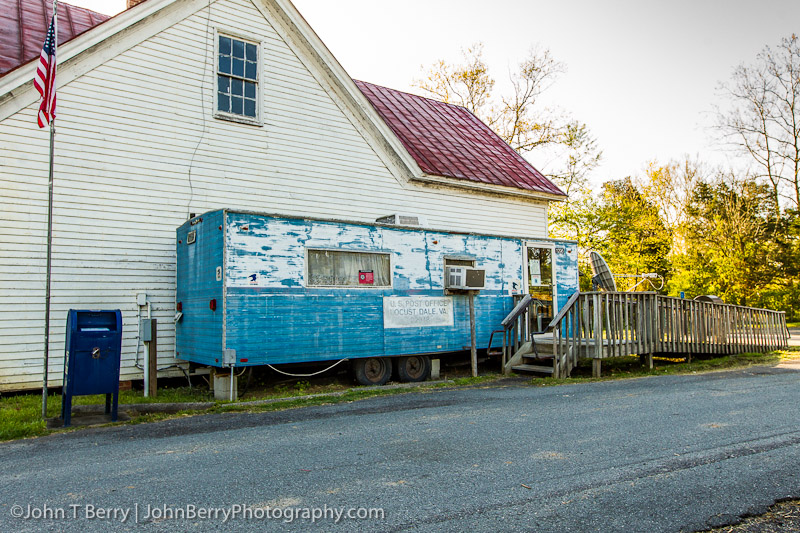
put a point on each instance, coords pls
(222, 385)
(435, 368)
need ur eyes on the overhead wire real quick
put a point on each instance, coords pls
(307, 375)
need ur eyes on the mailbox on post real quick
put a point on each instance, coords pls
(92, 358)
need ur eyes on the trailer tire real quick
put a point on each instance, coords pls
(372, 370)
(414, 368)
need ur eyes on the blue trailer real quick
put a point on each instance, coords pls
(256, 289)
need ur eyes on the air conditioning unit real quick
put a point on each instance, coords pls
(465, 278)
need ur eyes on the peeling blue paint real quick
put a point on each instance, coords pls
(422, 281)
(272, 316)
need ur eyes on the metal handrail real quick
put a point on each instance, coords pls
(491, 339)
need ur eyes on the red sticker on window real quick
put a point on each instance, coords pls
(366, 277)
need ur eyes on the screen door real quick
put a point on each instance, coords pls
(540, 281)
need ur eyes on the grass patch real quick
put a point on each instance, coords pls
(629, 367)
(20, 414)
(783, 516)
(290, 390)
(351, 395)
(486, 378)
(347, 396)
(332, 385)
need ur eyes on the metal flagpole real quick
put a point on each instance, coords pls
(49, 229)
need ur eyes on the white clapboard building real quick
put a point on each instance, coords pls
(177, 107)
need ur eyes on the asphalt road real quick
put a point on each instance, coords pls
(658, 454)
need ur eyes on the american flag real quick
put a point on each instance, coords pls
(45, 80)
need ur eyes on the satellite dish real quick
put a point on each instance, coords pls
(601, 274)
(710, 298)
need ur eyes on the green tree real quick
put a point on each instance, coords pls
(579, 154)
(633, 237)
(730, 238)
(783, 291)
(577, 217)
(670, 188)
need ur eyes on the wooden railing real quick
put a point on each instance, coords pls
(611, 324)
(603, 324)
(689, 326)
(518, 326)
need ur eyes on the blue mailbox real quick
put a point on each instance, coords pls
(92, 358)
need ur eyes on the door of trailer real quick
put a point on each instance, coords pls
(539, 279)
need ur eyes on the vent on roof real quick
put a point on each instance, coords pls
(402, 220)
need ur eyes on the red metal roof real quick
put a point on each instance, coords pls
(447, 140)
(23, 25)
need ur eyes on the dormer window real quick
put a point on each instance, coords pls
(237, 79)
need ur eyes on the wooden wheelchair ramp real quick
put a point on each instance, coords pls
(598, 325)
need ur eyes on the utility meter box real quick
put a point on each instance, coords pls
(92, 358)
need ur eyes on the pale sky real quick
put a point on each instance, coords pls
(642, 74)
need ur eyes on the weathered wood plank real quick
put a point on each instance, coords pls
(608, 327)
(598, 325)
(673, 329)
(624, 326)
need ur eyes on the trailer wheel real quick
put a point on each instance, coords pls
(414, 368)
(372, 370)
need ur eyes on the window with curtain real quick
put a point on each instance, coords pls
(338, 268)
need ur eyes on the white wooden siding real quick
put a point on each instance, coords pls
(132, 131)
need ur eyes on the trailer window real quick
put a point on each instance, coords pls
(337, 268)
(459, 262)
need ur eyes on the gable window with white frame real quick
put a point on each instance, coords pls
(237, 79)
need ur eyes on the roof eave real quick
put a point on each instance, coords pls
(349, 95)
(23, 74)
(290, 24)
(489, 188)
